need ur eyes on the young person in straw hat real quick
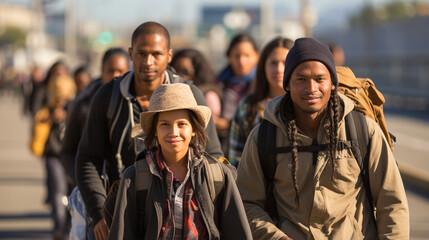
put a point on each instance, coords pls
(106, 148)
(172, 191)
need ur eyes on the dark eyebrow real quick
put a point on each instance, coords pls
(306, 75)
(144, 51)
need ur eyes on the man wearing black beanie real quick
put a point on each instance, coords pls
(317, 184)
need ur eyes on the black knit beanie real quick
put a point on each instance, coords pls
(309, 49)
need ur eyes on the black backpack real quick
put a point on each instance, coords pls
(358, 141)
(143, 182)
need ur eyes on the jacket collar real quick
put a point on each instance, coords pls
(271, 106)
(151, 158)
(227, 75)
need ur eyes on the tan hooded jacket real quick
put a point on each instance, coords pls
(330, 208)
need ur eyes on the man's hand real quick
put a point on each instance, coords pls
(285, 238)
(101, 230)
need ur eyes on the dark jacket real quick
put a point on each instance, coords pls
(224, 218)
(38, 97)
(99, 142)
(78, 111)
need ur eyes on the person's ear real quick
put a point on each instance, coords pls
(170, 55)
(130, 52)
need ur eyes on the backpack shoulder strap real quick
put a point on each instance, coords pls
(142, 184)
(216, 176)
(143, 180)
(267, 151)
(357, 130)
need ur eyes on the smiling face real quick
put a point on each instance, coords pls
(150, 56)
(310, 87)
(174, 133)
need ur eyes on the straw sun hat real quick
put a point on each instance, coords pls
(170, 97)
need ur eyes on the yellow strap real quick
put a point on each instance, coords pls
(224, 160)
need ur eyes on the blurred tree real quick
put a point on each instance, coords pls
(391, 11)
(13, 35)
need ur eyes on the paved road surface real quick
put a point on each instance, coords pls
(23, 215)
(412, 151)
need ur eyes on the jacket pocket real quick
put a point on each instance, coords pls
(346, 228)
(357, 230)
(346, 173)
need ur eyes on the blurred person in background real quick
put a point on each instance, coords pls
(268, 85)
(115, 63)
(48, 129)
(115, 150)
(338, 53)
(36, 77)
(236, 79)
(191, 64)
(81, 78)
(39, 96)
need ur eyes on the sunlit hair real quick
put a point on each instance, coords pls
(50, 73)
(239, 38)
(198, 142)
(150, 28)
(286, 113)
(262, 88)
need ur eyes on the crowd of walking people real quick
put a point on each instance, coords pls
(159, 146)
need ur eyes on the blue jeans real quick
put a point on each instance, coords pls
(57, 190)
(82, 225)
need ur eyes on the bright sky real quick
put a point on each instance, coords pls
(132, 11)
(118, 13)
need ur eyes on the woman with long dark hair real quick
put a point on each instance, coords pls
(268, 84)
(235, 80)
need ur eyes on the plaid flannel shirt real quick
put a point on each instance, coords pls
(240, 130)
(181, 216)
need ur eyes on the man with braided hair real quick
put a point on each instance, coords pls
(320, 194)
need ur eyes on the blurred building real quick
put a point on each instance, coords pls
(21, 32)
(17, 16)
(234, 19)
(394, 54)
(218, 24)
